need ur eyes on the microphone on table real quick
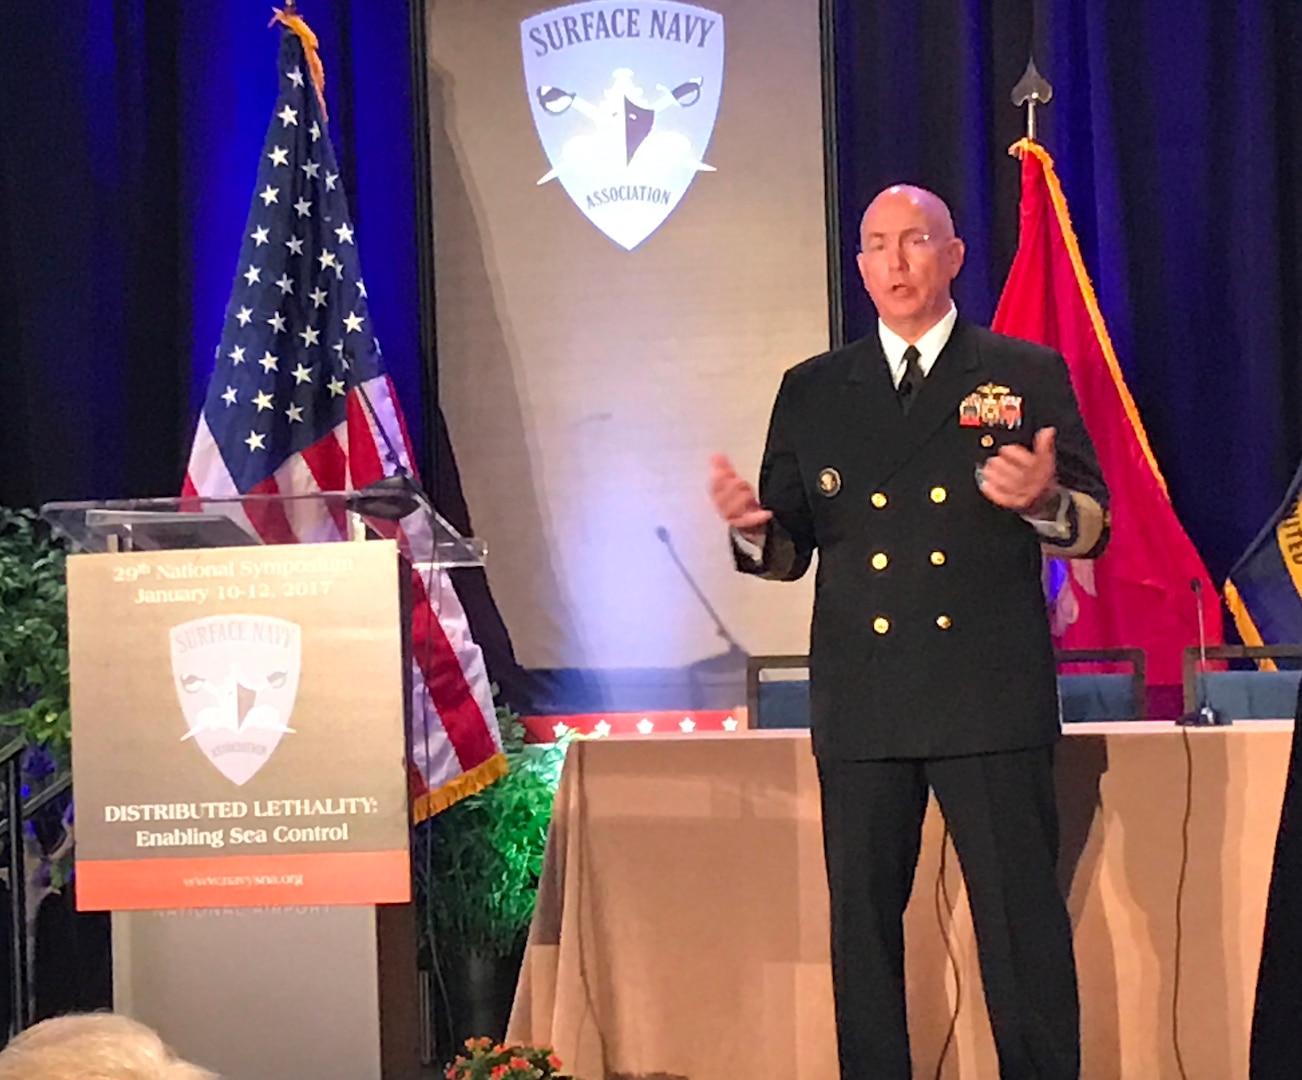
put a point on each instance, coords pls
(1205, 715)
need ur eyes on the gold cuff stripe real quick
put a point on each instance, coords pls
(1090, 520)
(779, 553)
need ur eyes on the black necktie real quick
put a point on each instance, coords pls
(911, 382)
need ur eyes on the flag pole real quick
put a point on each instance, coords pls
(1032, 89)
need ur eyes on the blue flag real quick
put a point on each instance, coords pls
(1264, 590)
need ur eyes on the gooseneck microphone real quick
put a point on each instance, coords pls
(1204, 714)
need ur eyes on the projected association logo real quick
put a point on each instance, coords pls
(624, 97)
(236, 678)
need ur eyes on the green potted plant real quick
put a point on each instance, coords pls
(34, 700)
(477, 866)
(33, 635)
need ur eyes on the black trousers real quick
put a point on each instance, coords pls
(1277, 1017)
(1001, 813)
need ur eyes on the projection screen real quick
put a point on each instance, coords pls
(630, 249)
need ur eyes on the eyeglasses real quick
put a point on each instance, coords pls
(911, 241)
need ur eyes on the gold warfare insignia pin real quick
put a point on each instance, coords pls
(990, 405)
(829, 482)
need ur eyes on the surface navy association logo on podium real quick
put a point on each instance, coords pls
(236, 677)
(624, 98)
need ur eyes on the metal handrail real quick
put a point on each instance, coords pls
(16, 812)
(39, 802)
(12, 749)
(11, 762)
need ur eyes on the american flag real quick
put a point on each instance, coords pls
(300, 403)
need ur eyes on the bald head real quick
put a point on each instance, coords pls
(909, 256)
(940, 223)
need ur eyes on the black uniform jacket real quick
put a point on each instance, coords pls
(930, 635)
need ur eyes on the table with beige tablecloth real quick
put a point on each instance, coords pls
(681, 930)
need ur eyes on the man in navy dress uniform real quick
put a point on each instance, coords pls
(930, 464)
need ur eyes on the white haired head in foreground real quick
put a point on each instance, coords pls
(94, 1046)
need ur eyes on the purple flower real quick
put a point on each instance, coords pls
(38, 762)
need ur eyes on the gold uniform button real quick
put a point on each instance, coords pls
(943, 622)
(881, 625)
(880, 561)
(987, 440)
(939, 494)
(937, 558)
(878, 499)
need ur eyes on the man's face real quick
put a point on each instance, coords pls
(908, 259)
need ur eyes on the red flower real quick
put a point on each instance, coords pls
(498, 1072)
(554, 1062)
(520, 1063)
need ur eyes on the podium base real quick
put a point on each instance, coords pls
(268, 993)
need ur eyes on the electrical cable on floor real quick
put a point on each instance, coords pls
(1179, 900)
(426, 577)
(943, 908)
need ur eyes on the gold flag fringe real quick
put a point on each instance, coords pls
(294, 22)
(468, 783)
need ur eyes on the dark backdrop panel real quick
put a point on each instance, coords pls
(129, 135)
(923, 97)
(92, 319)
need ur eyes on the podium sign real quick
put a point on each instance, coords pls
(239, 727)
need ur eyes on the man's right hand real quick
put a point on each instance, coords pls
(736, 501)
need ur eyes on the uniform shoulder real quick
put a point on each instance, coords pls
(833, 364)
(1013, 348)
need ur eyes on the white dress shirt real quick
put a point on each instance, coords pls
(928, 346)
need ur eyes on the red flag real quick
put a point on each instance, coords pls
(1139, 593)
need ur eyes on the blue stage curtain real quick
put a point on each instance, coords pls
(92, 323)
(129, 135)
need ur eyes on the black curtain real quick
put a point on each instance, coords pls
(923, 97)
(94, 364)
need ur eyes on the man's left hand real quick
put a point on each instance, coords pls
(1019, 479)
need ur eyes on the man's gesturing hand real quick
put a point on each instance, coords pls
(1020, 479)
(736, 501)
